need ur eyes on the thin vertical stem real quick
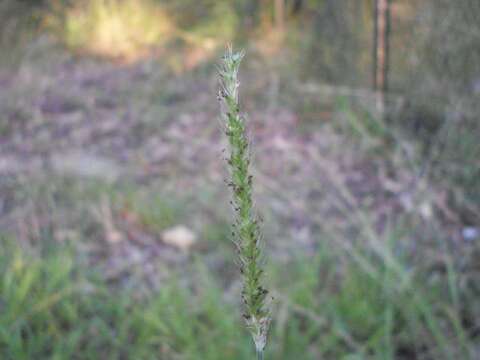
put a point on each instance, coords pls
(259, 355)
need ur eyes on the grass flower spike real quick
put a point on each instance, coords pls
(247, 231)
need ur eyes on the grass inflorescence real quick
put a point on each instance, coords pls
(246, 225)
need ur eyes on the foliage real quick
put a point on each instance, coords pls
(113, 28)
(131, 30)
(349, 303)
(53, 309)
(406, 292)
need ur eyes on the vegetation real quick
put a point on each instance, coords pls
(107, 144)
(246, 223)
(355, 304)
(117, 29)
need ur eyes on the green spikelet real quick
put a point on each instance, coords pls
(248, 234)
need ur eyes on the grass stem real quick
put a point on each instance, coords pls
(259, 355)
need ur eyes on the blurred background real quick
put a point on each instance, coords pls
(114, 214)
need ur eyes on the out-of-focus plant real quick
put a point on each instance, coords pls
(125, 29)
(247, 232)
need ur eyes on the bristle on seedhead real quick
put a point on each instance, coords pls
(247, 231)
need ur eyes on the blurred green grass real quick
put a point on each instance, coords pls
(337, 304)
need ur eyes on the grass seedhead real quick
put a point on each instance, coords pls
(248, 235)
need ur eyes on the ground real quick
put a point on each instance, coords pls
(109, 156)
